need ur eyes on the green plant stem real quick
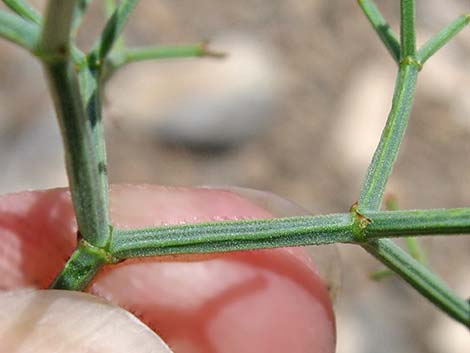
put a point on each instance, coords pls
(415, 250)
(231, 236)
(386, 153)
(81, 158)
(417, 275)
(279, 232)
(80, 269)
(412, 243)
(383, 29)
(442, 38)
(25, 10)
(407, 28)
(80, 9)
(19, 31)
(161, 52)
(417, 222)
(423, 280)
(111, 32)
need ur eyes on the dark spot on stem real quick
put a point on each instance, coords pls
(102, 168)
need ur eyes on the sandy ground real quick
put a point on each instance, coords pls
(315, 133)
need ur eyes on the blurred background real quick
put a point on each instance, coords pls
(297, 109)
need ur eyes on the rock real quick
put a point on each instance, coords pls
(203, 101)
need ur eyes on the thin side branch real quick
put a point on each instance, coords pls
(80, 10)
(422, 279)
(112, 31)
(386, 153)
(383, 29)
(19, 31)
(24, 9)
(442, 38)
(132, 55)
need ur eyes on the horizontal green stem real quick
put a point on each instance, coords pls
(279, 232)
(159, 52)
(80, 269)
(25, 10)
(386, 153)
(231, 236)
(18, 30)
(418, 222)
(383, 29)
(442, 38)
(422, 279)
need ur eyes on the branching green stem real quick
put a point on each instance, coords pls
(82, 161)
(75, 81)
(380, 169)
(25, 10)
(442, 38)
(19, 31)
(383, 29)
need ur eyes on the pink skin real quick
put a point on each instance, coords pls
(251, 301)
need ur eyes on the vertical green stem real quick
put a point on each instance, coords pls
(81, 157)
(407, 28)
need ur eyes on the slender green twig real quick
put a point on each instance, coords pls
(132, 55)
(81, 159)
(407, 28)
(110, 7)
(386, 153)
(80, 9)
(112, 31)
(278, 232)
(24, 9)
(442, 38)
(412, 244)
(383, 29)
(423, 280)
(18, 30)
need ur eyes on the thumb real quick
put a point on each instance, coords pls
(70, 322)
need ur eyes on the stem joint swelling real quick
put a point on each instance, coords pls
(82, 267)
(411, 61)
(359, 225)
